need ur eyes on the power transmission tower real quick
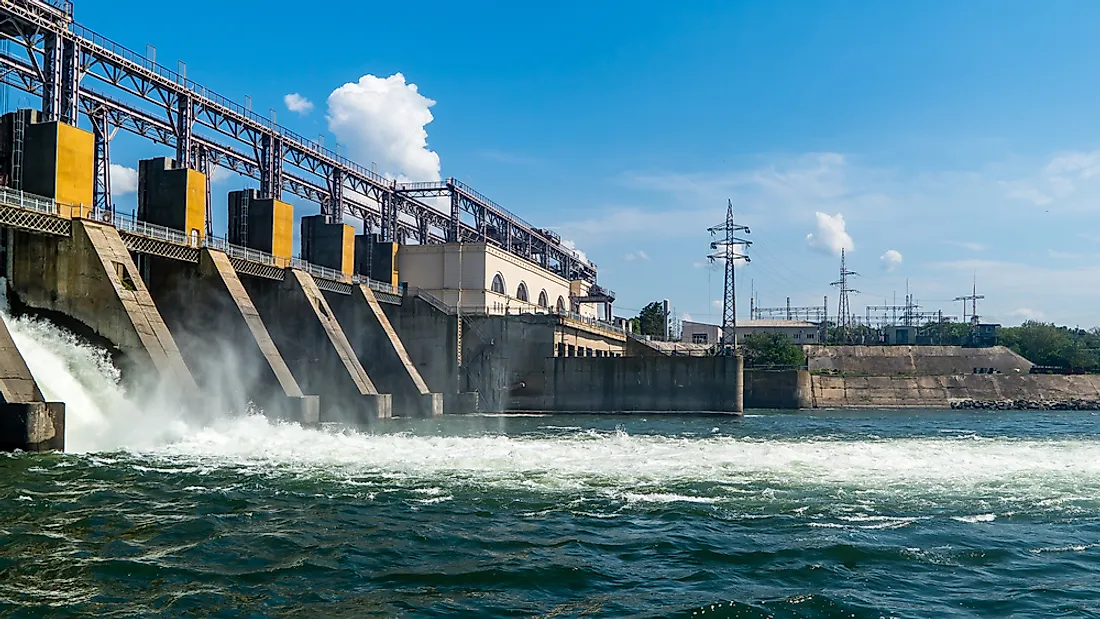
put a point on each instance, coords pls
(730, 250)
(844, 313)
(973, 297)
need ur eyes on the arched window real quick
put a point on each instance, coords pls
(544, 301)
(561, 304)
(498, 284)
(521, 293)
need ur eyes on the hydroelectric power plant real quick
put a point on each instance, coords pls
(444, 302)
(405, 403)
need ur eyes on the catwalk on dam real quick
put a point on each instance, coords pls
(853, 514)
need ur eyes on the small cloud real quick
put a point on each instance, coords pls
(123, 180)
(1026, 313)
(637, 255)
(298, 104)
(891, 260)
(687, 317)
(831, 235)
(973, 246)
(717, 303)
(571, 246)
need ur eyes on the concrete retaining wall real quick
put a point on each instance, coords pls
(316, 349)
(912, 360)
(27, 421)
(633, 384)
(940, 391)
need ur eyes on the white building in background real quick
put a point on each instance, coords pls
(799, 331)
(482, 278)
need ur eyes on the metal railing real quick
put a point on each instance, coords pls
(29, 201)
(133, 225)
(64, 6)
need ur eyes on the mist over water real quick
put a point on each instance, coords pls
(842, 514)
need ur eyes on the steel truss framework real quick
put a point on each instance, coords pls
(58, 58)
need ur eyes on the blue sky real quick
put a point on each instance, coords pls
(961, 135)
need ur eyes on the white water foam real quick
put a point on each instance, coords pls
(99, 416)
(1054, 475)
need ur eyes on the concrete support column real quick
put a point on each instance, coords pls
(89, 283)
(223, 339)
(316, 349)
(27, 421)
(739, 388)
(383, 354)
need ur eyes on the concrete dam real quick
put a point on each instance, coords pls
(442, 302)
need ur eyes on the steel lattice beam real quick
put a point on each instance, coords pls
(61, 53)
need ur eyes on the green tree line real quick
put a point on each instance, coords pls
(1048, 344)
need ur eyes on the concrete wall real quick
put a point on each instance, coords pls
(633, 384)
(430, 338)
(90, 283)
(223, 339)
(912, 360)
(781, 389)
(939, 391)
(316, 349)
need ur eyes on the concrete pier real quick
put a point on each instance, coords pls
(316, 349)
(27, 421)
(90, 283)
(224, 340)
(379, 349)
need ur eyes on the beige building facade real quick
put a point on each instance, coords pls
(481, 278)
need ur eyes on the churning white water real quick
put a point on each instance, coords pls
(99, 415)
(1056, 472)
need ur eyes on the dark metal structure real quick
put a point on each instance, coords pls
(844, 311)
(728, 250)
(73, 68)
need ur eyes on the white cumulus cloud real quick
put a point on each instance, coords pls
(831, 235)
(123, 180)
(571, 246)
(636, 255)
(382, 120)
(891, 260)
(298, 104)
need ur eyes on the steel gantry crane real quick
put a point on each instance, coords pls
(77, 71)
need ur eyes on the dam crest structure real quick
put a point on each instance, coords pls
(444, 301)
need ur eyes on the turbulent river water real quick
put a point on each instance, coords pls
(836, 514)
